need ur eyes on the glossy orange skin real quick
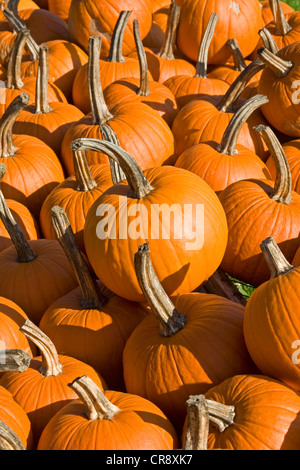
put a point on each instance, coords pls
(156, 36)
(13, 415)
(149, 358)
(220, 170)
(182, 268)
(92, 18)
(41, 397)
(139, 425)
(75, 203)
(159, 4)
(267, 415)
(253, 216)
(292, 152)
(271, 327)
(161, 99)
(32, 173)
(35, 285)
(141, 132)
(60, 7)
(94, 336)
(201, 121)
(233, 23)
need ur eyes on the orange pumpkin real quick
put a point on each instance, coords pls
(156, 36)
(60, 7)
(267, 13)
(292, 152)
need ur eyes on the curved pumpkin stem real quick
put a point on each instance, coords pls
(200, 412)
(14, 360)
(7, 147)
(135, 177)
(116, 46)
(282, 26)
(117, 174)
(9, 439)
(239, 61)
(50, 362)
(15, 60)
(167, 49)
(11, 14)
(201, 66)
(283, 184)
(91, 295)
(25, 254)
(280, 67)
(170, 320)
(144, 74)
(231, 134)
(83, 174)
(97, 405)
(274, 257)
(42, 105)
(268, 40)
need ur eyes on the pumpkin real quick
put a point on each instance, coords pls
(156, 36)
(143, 90)
(108, 421)
(113, 68)
(49, 375)
(267, 13)
(262, 208)
(221, 164)
(170, 353)
(92, 18)
(137, 128)
(22, 5)
(292, 153)
(234, 23)
(159, 4)
(87, 323)
(33, 170)
(185, 88)
(60, 7)
(271, 326)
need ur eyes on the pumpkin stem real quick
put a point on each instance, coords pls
(167, 49)
(280, 67)
(283, 184)
(41, 91)
(14, 360)
(15, 59)
(238, 86)
(9, 439)
(23, 248)
(100, 111)
(170, 320)
(139, 185)
(50, 362)
(117, 174)
(201, 66)
(231, 134)
(239, 61)
(116, 45)
(268, 40)
(83, 174)
(200, 412)
(144, 89)
(274, 257)
(282, 26)
(97, 405)
(91, 295)
(7, 147)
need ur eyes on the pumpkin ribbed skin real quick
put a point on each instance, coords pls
(292, 152)
(60, 7)
(267, 415)
(139, 425)
(267, 12)
(162, 69)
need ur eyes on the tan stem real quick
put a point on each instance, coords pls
(274, 257)
(280, 67)
(201, 66)
(139, 185)
(14, 360)
(17, 25)
(41, 92)
(268, 40)
(239, 62)
(9, 439)
(97, 405)
(231, 134)
(283, 184)
(100, 111)
(51, 366)
(282, 26)
(91, 295)
(117, 174)
(144, 89)
(167, 49)
(7, 147)
(25, 254)
(116, 46)
(15, 60)
(83, 174)
(170, 320)
(238, 86)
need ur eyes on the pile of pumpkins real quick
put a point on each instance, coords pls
(108, 109)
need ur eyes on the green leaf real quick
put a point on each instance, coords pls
(245, 289)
